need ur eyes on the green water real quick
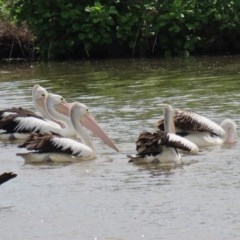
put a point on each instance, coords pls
(109, 198)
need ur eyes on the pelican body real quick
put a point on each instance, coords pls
(48, 147)
(18, 123)
(162, 146)
(201, 130)
(51, 147)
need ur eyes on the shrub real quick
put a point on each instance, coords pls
(66, 29)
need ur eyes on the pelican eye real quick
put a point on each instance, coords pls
(43, 94)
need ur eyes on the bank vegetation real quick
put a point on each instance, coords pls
(73, 29)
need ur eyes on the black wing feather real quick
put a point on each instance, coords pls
(4, 177)
(43, 142)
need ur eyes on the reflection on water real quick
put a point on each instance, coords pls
(109, 198)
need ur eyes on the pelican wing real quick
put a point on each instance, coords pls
(38, 142)
(4, 177)
(178, 142)
(147, 143)
(33, 124)
(17, 111)
(10, 120)
(151, 143)
(48, 143)
(191, 121)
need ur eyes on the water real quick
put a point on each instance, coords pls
(109, 198)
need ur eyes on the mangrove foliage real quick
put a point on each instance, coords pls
(73, 29)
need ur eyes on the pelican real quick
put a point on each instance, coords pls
(62, 115)
(202, 131)
(4, 177)
(48, 147)
(7, 115)
(162, 146)
(39, 95)
(20, 124)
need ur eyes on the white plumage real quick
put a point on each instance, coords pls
(31, 124)
(78, 149)
(49, 147)
(201, 130)
(162, 146)
(188, 144)
(25, 122)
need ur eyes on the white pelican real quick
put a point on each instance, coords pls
(39, 95)
(202, 131)
(54, 148)
(4, 177)
(62, 115)
(161, 146)
(21, 123)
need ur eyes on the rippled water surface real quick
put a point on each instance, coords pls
(109, 198)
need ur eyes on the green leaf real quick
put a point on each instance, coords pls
(76, 27)
(96, 20)
(81, 36)
(96, 38)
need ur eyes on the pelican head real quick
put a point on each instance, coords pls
(230, 128)
(80, 112)
(39, 95)
(56, 105)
